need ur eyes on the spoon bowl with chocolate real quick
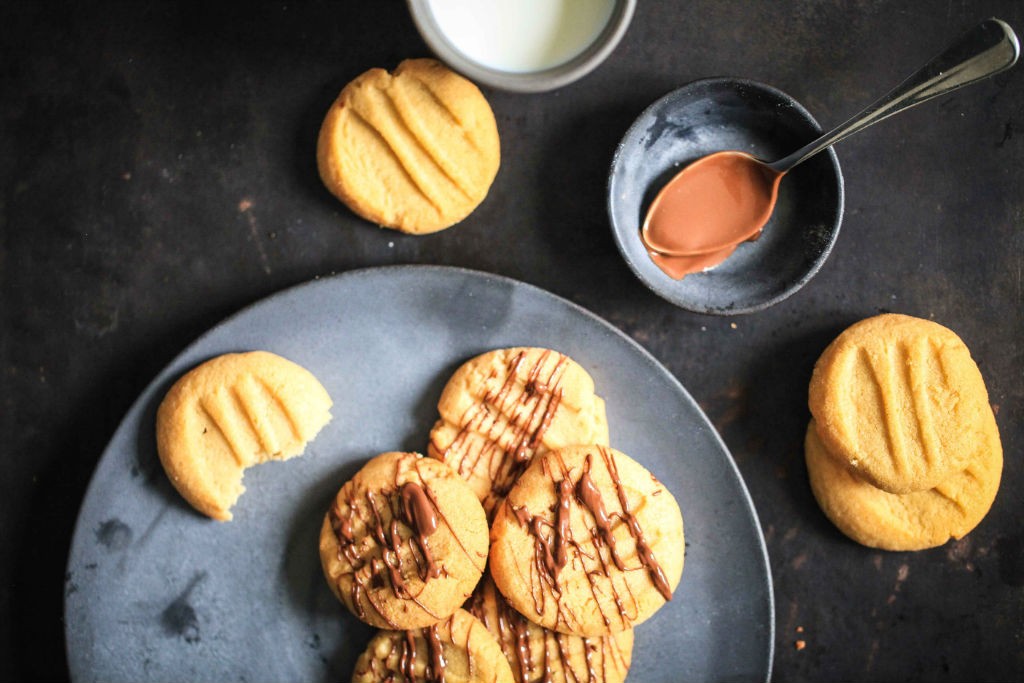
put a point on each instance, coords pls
(718, 201)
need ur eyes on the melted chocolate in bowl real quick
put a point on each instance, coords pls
(727, 114)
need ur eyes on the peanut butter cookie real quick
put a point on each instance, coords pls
(416, 150)
(908, 521)
(900, 402)
(232, 412)
(502, 408)
(459, 649)
(404, 543)
(587, 542)
(539, 655)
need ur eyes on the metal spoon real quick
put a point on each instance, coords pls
(987, 49)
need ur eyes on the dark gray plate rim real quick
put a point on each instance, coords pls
(155, 591)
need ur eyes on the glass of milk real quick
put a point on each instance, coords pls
(522, 45)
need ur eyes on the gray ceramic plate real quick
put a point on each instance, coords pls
(156, 592)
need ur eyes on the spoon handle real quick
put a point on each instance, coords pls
(987, 49)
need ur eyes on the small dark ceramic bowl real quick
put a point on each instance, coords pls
(729, 114)
(529, 81)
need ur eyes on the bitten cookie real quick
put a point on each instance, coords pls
(541, 655)
(587, 542)
(899, 401)
(416, 150)
(909, 521)
(456, 650)
(404, 542)
(502, 408)
(232, 412)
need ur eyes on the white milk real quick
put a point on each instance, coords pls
(521, 35)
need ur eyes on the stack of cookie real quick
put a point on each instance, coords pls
(902, 451)
(523, 534)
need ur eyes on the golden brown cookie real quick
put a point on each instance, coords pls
(502, 408)
(899, 401)
(587, 542)
(541, 655)
(404, 542)
(457, 650)
(232, 412)
(416, 150)
(908, 521)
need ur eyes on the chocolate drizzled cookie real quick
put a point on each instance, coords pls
(540, 655)
(404, 542)
(587, 542)
(502, 408)
(458, 649)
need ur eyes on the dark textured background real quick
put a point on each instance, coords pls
(157, 174)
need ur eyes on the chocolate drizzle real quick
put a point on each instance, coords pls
(563, 532)
(436, 651)
(588, 494)
(363, 571)
(544, 556)
(342, 527)
(545, 549)
(407, 657)
(421, 516)
(534, 389)
(643, 550)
